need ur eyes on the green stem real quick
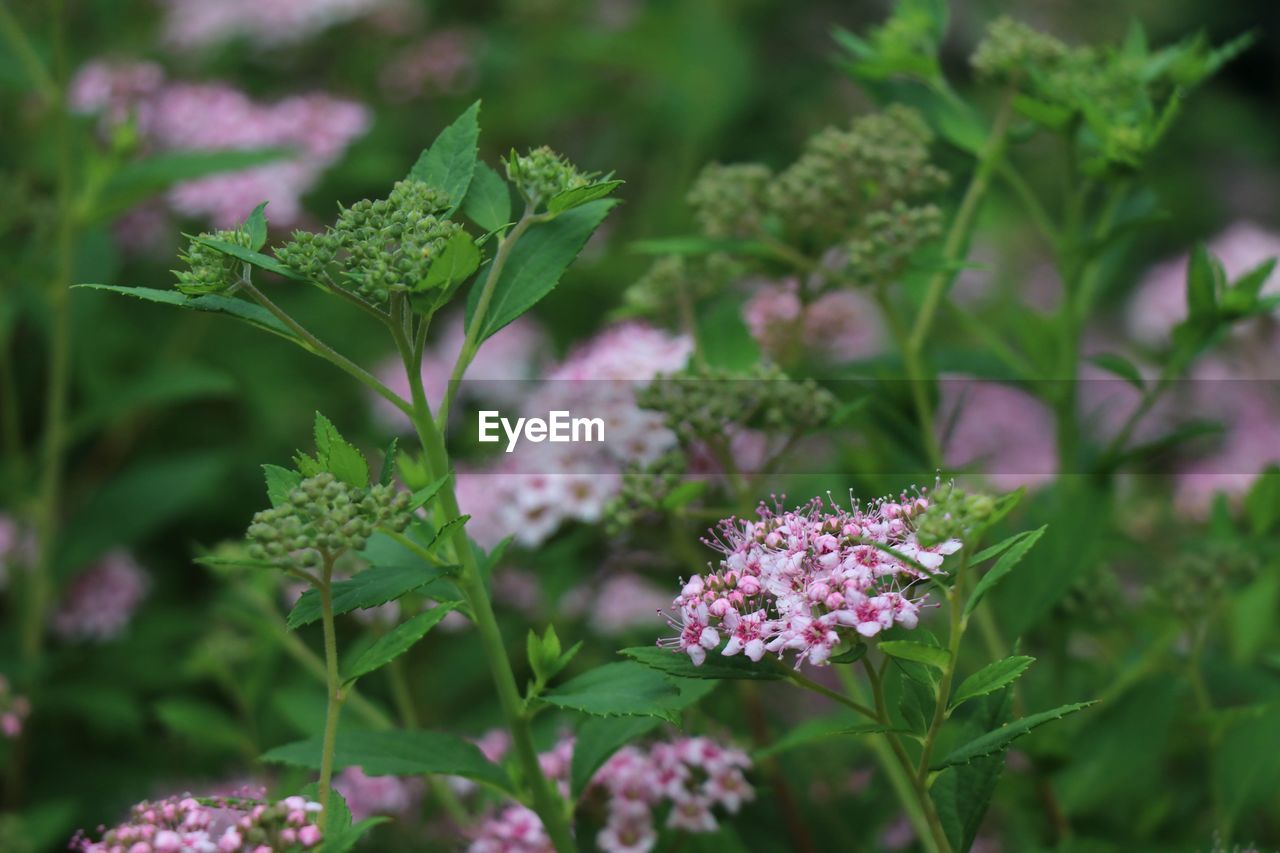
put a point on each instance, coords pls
(546, 802)
(312, 344)
(334, 687)
(914, 368)
(899, 779)
(471, 343)
(813, 686)
(936, 832)
(13, 33)
(957, 240)
(957, 623)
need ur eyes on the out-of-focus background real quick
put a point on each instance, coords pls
(149, 689)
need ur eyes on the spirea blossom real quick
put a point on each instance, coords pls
(181, 824)
(177, 116)
(100, 602)
(263, 23)
(805, 580)
(376, 795)
(442, 63)
(17, 547)
(528, 494)
(835, 327)
(1001, 430)
(686, 779)
(14, 710)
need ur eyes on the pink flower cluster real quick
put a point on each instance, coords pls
(531, 492)
(998, 428)
(181, 824)
(13, 710)
(264, 23)
(175, 116)
(376, 795)
(101, 600)
(689, 777)
(837, 327)
(792, 581)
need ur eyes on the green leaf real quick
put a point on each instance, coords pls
(456, 262)
(1245, 771)
(137, 181)
(684, 494)
(617, 690)
(1121, 367)
(396, 642)
(397, 753)
(991, 678)
(817, 730)
(1262, 503)
(202, 724)
(701, 246)
(345, 839)
(578, 196)
(536, 263)
(388, 472)
(917, 652)
(488, 201)
(256, 227)
(366, 589)
(597, 739)
(1008, 560)
(962, 794)
(166, 385)
(449, 164)
(280, 482)
(853, 654)
(1205, 280)
(218, 561)
(338, 456)
(997, 740)
(716, 666)
(257, 259)
(545, 656)
(428, 493)
(254, 315)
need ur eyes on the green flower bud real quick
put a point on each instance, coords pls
(542, 174)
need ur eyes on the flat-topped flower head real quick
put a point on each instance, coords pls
(803, 581)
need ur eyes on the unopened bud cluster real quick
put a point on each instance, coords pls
(1010, 48)
(324, 515)
(1196, 581)
(542, 174)
(952, 515)
(673, 280)
(890, 239)
(845, 174)
(643, 490)
(211, 271)
(377, 247)
(729, 201)
(704, 402)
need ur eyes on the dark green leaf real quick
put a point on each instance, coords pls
(280, 482)
(1119, 366)
(684, 494)
(338, 456)
(257, 259)
(962, 794)
(397, 753)
(1204, 282)
(991, 678)
(919, 652)
(578, 196)
(456, 262)
(255, 315)
(396, 642)
(369, 588)
(449, 164)
(997, 740)
(716, 666)
(388, 472)
(617, 690)
(1008, 560)
(256, 227)
(488, 201)
(853, 654)
(135, 182)
(817, 730)
(537, 262)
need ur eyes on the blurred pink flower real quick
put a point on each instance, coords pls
(442, 63)
(1003, 431)
(100, 602)
(175, 116)
(367, 796)
(17, 547)
(263, 23)
(14, 710)
(836, 327)
(625, 601)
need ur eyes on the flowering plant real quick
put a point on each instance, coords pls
(686, 622)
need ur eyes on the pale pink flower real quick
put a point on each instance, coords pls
(1001, 430)
(442, 63)
(101, 601)
(376, 795)
(14, 710)
(263, 23)
(838, 326)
